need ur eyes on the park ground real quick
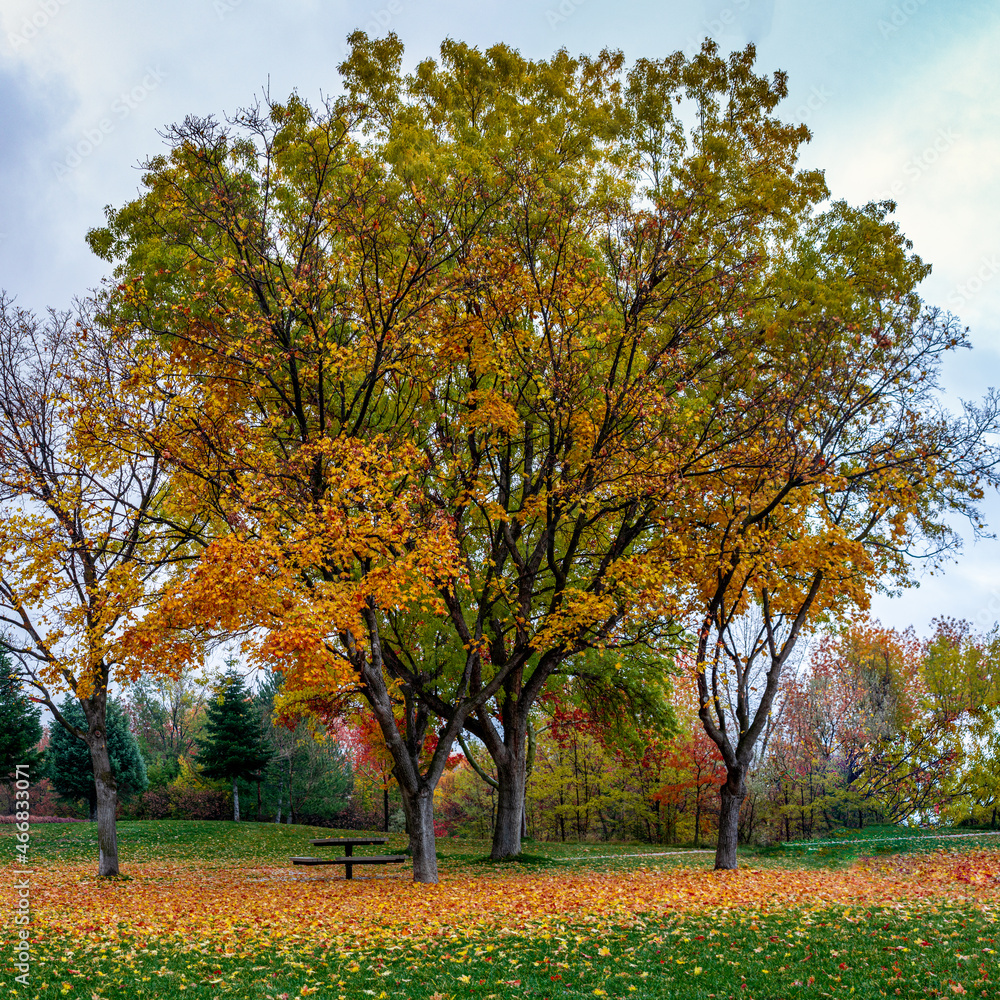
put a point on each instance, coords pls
(215, 909)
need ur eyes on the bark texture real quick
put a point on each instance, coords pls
(419, 808)
(107, 802)
(732, 793)
(510, 807)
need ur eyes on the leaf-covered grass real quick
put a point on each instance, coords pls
(215, 909)
(920, 952)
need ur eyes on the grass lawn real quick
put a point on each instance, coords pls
(215, 909)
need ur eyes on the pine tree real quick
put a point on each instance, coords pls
(234, 745)
(20, 725)
(69, 765)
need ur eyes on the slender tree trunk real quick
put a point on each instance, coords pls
(732, 792)
(385, 809)
(510, 807)
(107, 802)
(236, 802)
(697, 814)
(419, 810)
(277, 815)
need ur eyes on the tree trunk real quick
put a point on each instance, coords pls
(107, 802)
(385, 809)
(277, 815)
(732, 792)
(236, 802)
(419, 811)
(510, 806)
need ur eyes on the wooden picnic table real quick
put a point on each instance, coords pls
(347, 842)
(349, 859)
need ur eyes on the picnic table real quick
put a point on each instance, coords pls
(349, 859)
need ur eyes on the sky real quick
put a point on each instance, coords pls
(902, 98)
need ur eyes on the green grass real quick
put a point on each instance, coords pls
(844, 847)
(221, 843)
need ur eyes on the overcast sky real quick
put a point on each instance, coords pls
(902, 97)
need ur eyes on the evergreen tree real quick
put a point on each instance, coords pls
(70, 767)
(20, 725)
(309, 777)
(234, 744)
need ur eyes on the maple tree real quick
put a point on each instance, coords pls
(499, 362)
(860, 736)
(852, 466)
(78, 554)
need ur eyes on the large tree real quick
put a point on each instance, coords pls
(499, 363)
(433, 355)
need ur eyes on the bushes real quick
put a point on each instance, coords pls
(173, 802)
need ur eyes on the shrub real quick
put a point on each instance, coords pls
(182, 803)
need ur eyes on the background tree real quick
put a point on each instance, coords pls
(309, 774)
(70, 767)
(167, 716)
(234, 744)
(78, 550)
(20, 723)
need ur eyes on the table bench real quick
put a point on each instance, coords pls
(349, 860)
(349, 863)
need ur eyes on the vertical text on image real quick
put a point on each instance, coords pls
(22, 887)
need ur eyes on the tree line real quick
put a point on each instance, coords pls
(184, 749)
(471, 383)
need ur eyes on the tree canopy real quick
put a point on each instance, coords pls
(478, 371)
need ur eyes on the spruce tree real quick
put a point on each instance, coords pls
(20, 724)
(70, 767)
(234, 744)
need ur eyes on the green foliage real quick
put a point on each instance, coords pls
(167, 718)
(234, 744)
(69, 764)
(20, 724)
(309, 776)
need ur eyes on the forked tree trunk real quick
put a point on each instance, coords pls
(419, 809)
(236, 801)
(732, 792)
(107, 802)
